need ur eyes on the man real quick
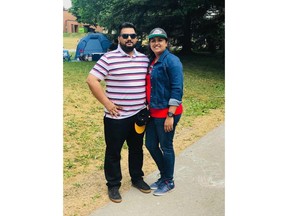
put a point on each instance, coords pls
(124, 71)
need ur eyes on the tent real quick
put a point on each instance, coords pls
(92, 45)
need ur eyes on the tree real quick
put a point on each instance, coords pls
(86, 11)
(184, 20)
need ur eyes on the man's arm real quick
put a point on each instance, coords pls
(97, 90)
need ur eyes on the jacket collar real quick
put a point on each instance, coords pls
(163, 55)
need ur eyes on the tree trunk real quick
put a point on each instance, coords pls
(187, 33)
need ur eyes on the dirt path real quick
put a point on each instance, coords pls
(91, 193)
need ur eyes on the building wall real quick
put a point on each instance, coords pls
(70, 25)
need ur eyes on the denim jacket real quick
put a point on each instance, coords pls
(166, 82)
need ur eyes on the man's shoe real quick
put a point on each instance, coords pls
(114, 194)
(142, 186)
(164, 187)
(156, 184)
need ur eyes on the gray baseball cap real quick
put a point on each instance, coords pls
(157, 32)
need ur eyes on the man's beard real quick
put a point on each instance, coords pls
(127, 49)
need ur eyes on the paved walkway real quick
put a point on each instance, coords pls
(199, 185)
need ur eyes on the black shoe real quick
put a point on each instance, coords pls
(114, 194)
(142, 186)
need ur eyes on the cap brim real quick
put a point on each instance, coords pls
(139, 129)
(157, 35)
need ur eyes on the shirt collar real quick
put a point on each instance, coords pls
(135, 53)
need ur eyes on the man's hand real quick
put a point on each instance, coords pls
(113, 109)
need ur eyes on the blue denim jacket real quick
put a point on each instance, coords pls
(166, 81)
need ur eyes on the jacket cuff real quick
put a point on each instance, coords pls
(174, 102)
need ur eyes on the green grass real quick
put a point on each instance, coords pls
(84, 146)
(204, 84)
(83, 140)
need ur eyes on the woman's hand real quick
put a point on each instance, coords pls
(168, 124)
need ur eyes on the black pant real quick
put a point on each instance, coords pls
(117, 131)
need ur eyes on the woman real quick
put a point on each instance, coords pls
(164, 90)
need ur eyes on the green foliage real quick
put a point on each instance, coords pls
(183, 20)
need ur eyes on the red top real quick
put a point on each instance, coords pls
(157, 113)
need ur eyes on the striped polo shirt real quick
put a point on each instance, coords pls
(125, 80)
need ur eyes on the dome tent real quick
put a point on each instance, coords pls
(93, 44)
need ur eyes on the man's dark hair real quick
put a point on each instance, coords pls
(126, 25)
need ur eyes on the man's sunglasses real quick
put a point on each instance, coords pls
(125, 36)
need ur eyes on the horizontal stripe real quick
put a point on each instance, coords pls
(128, 101)
(125, 90)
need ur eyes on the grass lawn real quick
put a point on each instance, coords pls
(70, 41)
